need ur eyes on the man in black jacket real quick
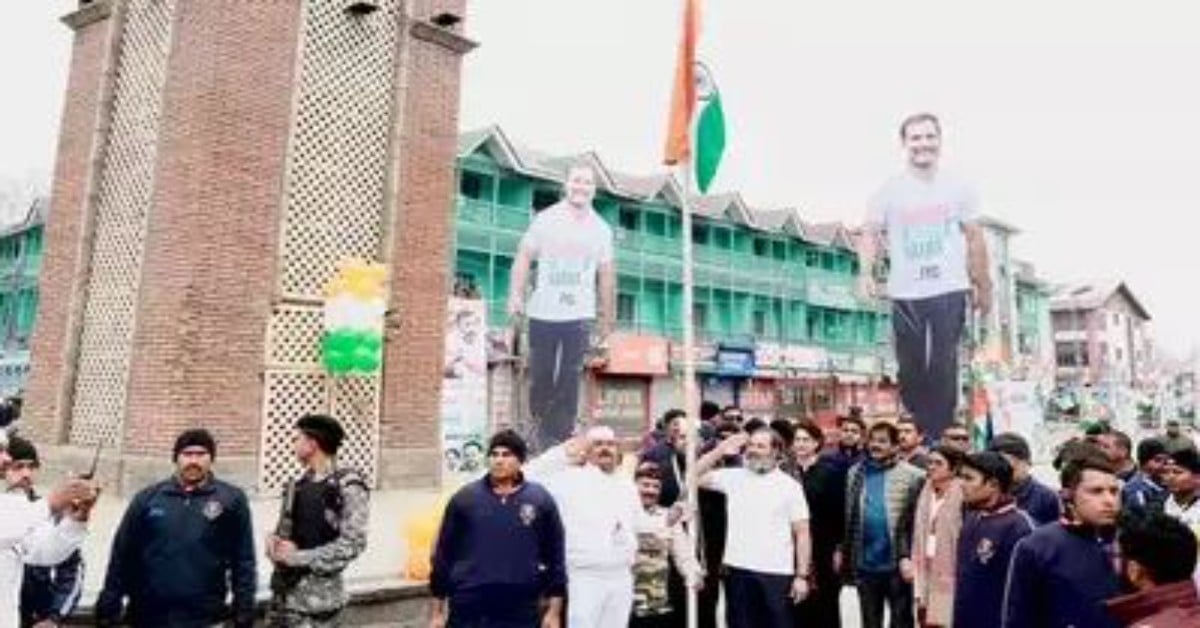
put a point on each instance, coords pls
(182, 544)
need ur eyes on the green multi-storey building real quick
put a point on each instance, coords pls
(768, 286)
(20, 263)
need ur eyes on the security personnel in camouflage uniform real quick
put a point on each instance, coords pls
(322, 529)
(661, 539)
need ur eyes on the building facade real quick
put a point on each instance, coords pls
(1034, 334)
(21, 247)
(1102, 337)
(781, 330)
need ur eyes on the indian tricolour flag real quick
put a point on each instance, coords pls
(696, 127)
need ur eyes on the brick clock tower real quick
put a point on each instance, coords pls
(216, 160)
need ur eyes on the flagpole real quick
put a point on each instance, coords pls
(690, 397)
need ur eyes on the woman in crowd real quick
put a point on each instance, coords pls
(935, 538)
(825, 489)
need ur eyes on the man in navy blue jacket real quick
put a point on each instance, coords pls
(181, 545)
(500, 551)
(1035, 498)
(1063, 573)
(1146, 491)
(991, 529)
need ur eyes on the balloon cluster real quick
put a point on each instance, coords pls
(354, 309)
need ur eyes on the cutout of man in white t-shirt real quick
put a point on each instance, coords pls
(573, 248)
(928, 222)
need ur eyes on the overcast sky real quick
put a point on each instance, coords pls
(1078, 121)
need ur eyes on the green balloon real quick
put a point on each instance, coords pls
(339, 362)
(372, 341)
(368, 364)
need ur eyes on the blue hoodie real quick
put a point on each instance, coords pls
(985, 549)
(1039, 500)
(496, 556)
(1061, 575)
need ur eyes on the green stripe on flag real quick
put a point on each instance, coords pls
(710, 141)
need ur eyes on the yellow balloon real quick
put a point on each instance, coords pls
(420, 533)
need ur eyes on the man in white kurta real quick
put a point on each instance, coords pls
(599, 506)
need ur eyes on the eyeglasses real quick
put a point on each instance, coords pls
(956, 437)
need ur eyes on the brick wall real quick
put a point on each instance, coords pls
(209, 266)
(420, 279)
(207, 282)
(47, 396)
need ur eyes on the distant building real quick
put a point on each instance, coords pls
(1102, 337)
(21, 247)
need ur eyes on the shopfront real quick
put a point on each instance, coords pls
(622, 395)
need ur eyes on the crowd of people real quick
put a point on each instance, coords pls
(928, 529)
(184, 552)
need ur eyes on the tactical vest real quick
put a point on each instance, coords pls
(317, 510)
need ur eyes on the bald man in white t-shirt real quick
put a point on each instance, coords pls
(573, 248)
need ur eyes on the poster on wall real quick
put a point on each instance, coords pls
(1016, 407)
(464, 388)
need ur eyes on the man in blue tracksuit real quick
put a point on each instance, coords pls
(1145, 491)
(500, 553)
(991, 529)
(1035, 498)
(1062, 573)
(182, 544)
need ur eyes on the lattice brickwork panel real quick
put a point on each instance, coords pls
(356, 406)
(338, 168)
(124, 194)
(294, 338)
(334, 209)
(288, 396)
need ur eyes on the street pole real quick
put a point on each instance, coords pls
(690, 399)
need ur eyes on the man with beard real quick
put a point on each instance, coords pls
(182, 544)
(992, 527)
(849, 449)
(881, 501)
(768, 555)
(599, 507)
(49, 593)
(912, 447)
(1063, 572)
(957, 436)
(1145, 490)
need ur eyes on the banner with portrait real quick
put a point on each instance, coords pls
(464, 408)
